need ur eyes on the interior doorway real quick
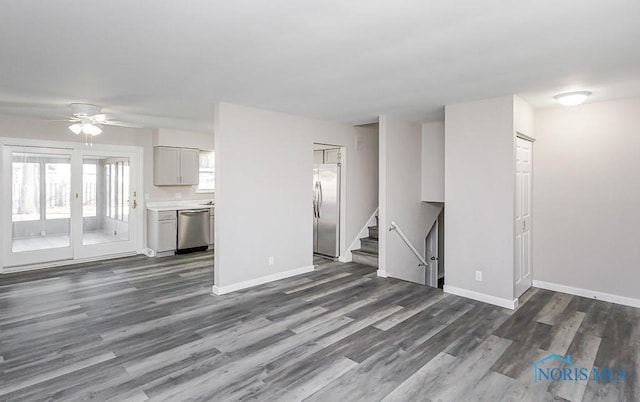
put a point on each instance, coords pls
(327, 200)
(434, 253)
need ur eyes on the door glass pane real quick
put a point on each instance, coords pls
(58, 179)
(26, 191)
(105, 200)
(41, 201)
(89, 188)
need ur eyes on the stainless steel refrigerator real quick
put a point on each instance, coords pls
(326, 209)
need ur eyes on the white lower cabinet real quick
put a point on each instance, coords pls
(162, 230)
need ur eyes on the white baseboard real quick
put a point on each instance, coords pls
(592, 294)
(221, 290)
(382, 274)
(148, 252)
(64, 263)
(470, 294)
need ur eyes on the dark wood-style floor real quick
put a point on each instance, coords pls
(139, 328)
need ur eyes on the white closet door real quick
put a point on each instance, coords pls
(522, 269)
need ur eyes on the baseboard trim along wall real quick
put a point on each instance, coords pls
(221, 290)
(470, 294)
(591, 294)
(63, 263)
(382, 274)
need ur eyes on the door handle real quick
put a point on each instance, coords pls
(315, 199)
(193, 213)
(320, 198)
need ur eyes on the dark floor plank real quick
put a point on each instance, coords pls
(141, 328)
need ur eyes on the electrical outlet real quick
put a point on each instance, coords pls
(146, 196)
(479, 276)
(272, 260)
(178, 195)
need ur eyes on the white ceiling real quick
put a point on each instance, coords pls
(165, 63)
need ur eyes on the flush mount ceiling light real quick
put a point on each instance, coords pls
(572, 98)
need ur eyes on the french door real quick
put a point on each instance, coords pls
(37, 201)
(106, 193)
(64, 203)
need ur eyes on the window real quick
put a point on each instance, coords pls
(117, 190)
(207, 182)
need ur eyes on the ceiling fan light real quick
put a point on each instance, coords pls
(76, 128)
(572, 98)
(91, 129)
(87, 128)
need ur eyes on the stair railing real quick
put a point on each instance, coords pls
(404, 238)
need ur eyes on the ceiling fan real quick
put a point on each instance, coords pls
(88, 119)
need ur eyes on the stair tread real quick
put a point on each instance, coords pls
(365, 252)
(370, 239)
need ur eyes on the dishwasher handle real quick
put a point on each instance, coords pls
(194, 213)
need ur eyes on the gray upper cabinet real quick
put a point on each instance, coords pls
(326, 156)
(189, 166)
(318, 157)
(332, 156)
(175, 166)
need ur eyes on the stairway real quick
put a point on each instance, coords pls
(367, 254)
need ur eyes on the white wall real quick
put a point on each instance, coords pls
(400, 199)
(181, 138)
(433, 162)
(479, 196)
(264, 165)
(523, 118)
(586, 197)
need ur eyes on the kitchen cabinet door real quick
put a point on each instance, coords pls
(162, 230)
(189, 166)
(332, 156)
(318, 157)
(167, 232)
(166, 166)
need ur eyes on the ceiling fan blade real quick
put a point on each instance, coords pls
(100, 118)
(121, 124)
(70, 120)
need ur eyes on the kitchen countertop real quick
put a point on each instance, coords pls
(178, 205)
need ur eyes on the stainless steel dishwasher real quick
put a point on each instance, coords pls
(193, 230)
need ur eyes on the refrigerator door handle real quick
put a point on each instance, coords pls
(315, 199)
(319, 197)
